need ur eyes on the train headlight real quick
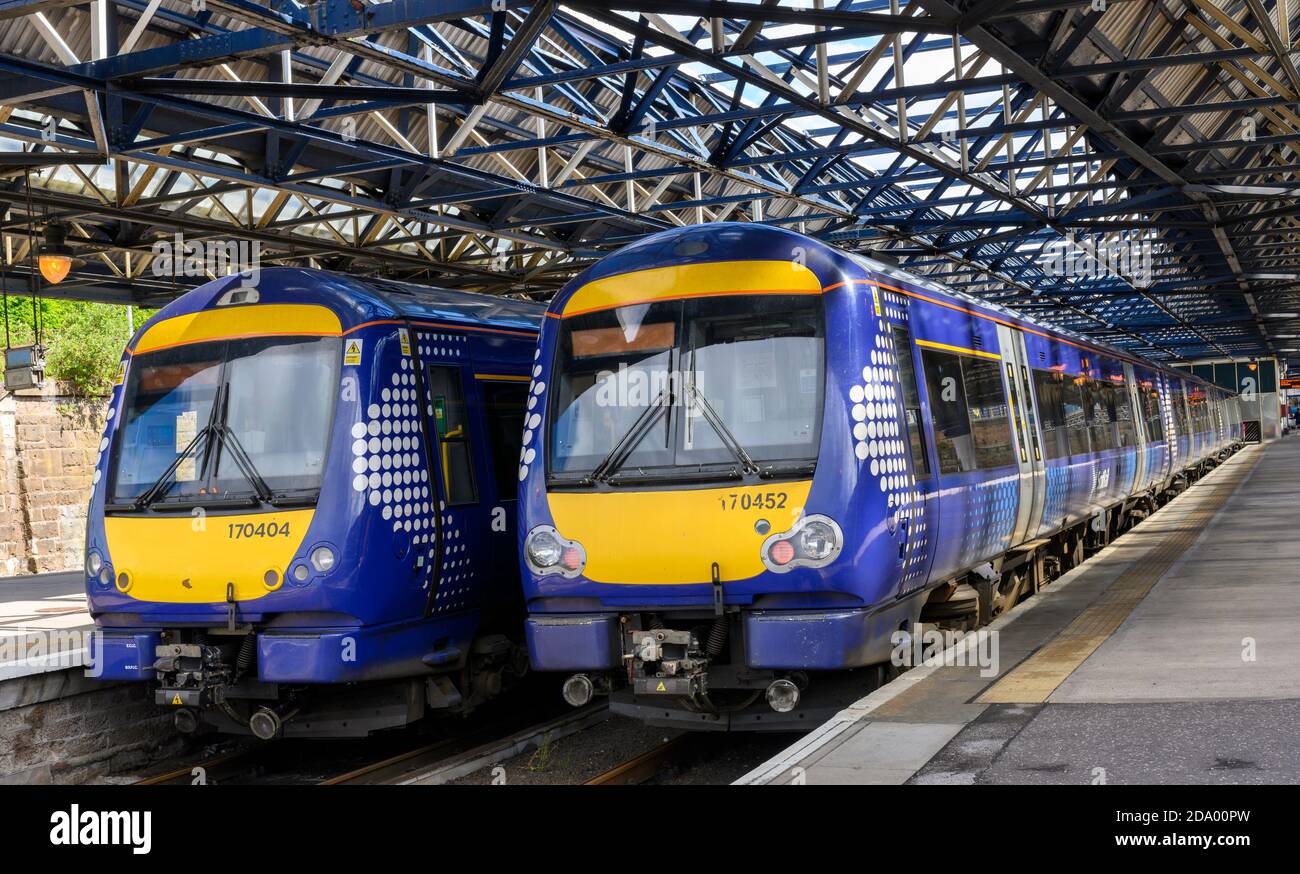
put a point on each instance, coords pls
(548, 553)
(814, 541)
(93, 563)
(544, 549)
(322, 559)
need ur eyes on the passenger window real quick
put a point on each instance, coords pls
(911, 402)
(952, 437)
(1049, 386)
(505, 404)
(972, 428)
(989, 417)
(1155, 422)
(1124, 417)
(1180, 409)
(1099, 399)
(451, 431)
(1076, 420)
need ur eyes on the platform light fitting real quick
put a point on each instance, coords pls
(55, 258)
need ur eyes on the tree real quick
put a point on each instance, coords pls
(85, 346)
(84, 341)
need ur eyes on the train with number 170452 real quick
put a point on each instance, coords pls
(754, 462)
(303, 510)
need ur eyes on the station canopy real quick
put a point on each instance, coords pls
(1122, 168)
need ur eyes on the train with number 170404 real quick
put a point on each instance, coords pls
(303, 510)
(753, 461)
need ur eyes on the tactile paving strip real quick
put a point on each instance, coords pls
(1038, 676)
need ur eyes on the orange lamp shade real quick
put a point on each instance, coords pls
(55, 267)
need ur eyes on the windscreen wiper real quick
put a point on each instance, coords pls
(226, 437)
(631, 438)
(151, 494)
(720, 427)
(155, 491)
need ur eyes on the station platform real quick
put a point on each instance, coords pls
(33, 609)
(58, 725)
(1168, 657)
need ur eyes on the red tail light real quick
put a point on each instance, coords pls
(782, 552)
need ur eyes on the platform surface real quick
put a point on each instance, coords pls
(43, 619)
(1166, 658)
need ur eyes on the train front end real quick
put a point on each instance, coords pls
(702, 532)
(262, 543)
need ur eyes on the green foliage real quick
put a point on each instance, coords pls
(83, 341)
(19, 312)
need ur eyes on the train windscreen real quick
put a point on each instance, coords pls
(710, 385)
(243, 419)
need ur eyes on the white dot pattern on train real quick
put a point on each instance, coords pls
(532, 419)
(103, 445)
(388, 465)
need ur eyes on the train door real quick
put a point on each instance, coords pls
(1024, 422)
(458, 573)
(921, 516)
(1139, 428)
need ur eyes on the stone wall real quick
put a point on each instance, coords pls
(60, 727)
(48, 447)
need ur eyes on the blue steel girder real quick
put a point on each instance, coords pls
(578, 76)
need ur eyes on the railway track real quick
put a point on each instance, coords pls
(644, 766)
(397, 758)
(214, 769)
(439, 764)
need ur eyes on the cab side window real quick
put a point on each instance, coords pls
(911, 403)
(451, 435)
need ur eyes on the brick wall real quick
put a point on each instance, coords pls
(48, 447)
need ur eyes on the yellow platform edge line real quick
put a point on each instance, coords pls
(1037, 677)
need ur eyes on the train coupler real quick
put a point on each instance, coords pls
(190, 674)
(667, 662)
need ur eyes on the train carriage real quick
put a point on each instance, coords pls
(751, 458)
(304, 505)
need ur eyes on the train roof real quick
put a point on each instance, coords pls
(897, 273)
(358, 299)
(745, 240)
(445, 304)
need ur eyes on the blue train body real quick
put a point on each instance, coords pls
(872, 442)
(307, 484)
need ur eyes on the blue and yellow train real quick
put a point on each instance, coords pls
(750, 457)
(307, 485)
